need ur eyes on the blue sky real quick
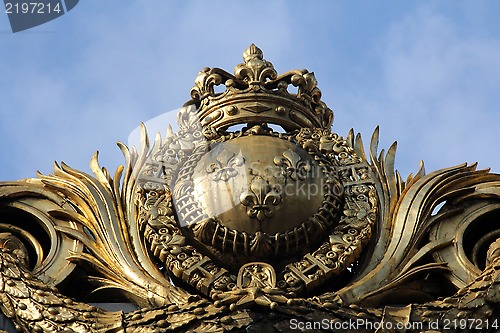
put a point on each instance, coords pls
(427, 72)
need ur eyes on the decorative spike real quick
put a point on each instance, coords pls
(359, 147)
(350, 138)
(144, 138)
(374, 145)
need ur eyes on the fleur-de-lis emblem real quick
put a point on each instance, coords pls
(260, 198)
(293, 165)
(225, 166)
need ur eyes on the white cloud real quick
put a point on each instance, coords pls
(438, 94)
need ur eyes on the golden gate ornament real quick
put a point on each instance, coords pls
(253, 215)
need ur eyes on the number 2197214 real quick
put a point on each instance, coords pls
(32, 8)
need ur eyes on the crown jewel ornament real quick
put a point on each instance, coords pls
(256, 94)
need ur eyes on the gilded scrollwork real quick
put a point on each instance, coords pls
(220, 230)
(493, 252)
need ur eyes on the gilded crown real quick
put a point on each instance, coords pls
(257, 94)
